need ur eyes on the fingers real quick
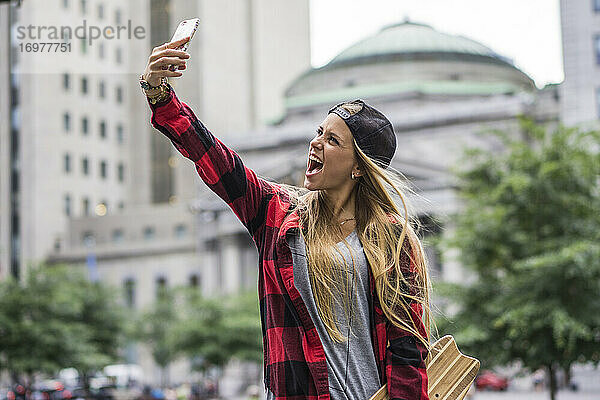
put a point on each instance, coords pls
(165, 62)
(168, 52)
(157, 75)
(172, 45)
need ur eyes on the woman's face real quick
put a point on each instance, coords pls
(331, 158)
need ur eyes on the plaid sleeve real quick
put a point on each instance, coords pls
(219, 167)
(406, 371)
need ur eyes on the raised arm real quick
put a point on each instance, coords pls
(218, 166)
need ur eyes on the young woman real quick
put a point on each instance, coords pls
(343, 280)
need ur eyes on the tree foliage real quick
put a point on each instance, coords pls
(56, 318)
(529, 235)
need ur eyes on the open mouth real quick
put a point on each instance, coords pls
(314, 166)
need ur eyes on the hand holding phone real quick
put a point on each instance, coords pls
(185, 29)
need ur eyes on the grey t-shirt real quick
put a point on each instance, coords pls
(351, 364)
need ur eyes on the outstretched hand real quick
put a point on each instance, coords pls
(161, 58)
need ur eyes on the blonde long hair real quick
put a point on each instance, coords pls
(397, 261)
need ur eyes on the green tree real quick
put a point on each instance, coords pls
(54, 319)
(215, 330)
(156, 327)
(529, 234)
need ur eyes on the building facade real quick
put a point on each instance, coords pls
(580, 91)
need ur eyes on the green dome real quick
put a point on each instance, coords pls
(412, 39)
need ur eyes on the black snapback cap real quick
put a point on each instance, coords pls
(371, 129)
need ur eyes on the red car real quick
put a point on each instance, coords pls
(491, 380)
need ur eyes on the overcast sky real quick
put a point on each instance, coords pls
(527, 31)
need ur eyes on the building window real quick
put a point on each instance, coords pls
(87, 238)
(121, 205)
(101, 51)
(83, 6)
(120, 135)
(100, 11)
(596, 5)
(597, 48)
(118, 55)
(66, 81)
(83, 42)
(180, 231)
(121, 172)
(103, 168)
(65, 3)
(118, 17)
(85, 166)
(119, 94)
(194, 281)
(118, 236)
(129, 287)
(84, 85)
(161, 286)
(149, 233)
(101, 90)
(66, 122)
(103, 129)
(85, 125)
(67, 163)
(67, 200)
(85, 206)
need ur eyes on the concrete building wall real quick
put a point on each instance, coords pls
(4, 146)
(580, 91)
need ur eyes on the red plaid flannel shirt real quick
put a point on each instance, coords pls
(294, 360)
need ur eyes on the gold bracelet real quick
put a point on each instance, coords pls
(160, 96)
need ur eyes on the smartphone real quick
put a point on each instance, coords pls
(184, 29)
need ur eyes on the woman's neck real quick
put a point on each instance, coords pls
(342, 204)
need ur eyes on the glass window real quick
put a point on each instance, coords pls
(65, 3)
(118, 55)
(83, 42)
(121, 205)
(67, 163)
(101, 50)
(85, 125)
(597, 48)
(84, 85)
(121, 172)
(66, 81)
(85, 206)
(103, 129)
(119, 94)
(161, 286)
(180, 231)
(120, 135)
(67, 122)
(101, 90)
(103, 169)
(195, 281)
(149, 232)
(87, 238)
(83, 6)
(118, 236)
(596, 4)
(85, 166)
(129, 287)
(100, 11)
(67, 200)
(118, 17)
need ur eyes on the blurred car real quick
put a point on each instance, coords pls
(491, 381)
